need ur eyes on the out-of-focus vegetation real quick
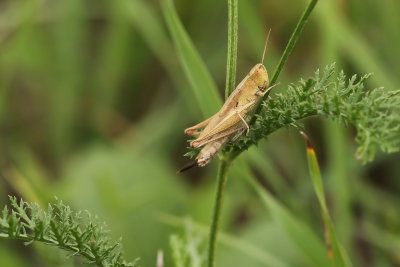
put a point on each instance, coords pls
(93, 103)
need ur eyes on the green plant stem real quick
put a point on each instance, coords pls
(225, 162)
(293, 39)
(222, 178)
(230, 85)
(288, 50)
(232, 47)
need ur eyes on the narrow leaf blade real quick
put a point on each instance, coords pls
(203, 86)
(299, 233)
(335, 251)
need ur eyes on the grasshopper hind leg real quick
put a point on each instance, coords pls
(224, 134)
(245, 123)
(239, 135)
(191, 131)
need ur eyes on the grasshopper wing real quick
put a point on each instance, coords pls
(214, 124)
(225, 111)
(229, 122)
(220, 136)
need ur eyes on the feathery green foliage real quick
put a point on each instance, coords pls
(60, 226)
(374, 113)
(186, 250)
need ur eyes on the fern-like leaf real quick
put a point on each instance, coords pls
(77, 232)
(187, 250)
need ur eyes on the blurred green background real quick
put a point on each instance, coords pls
(93, 103)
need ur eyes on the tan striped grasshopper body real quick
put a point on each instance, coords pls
(231, 118)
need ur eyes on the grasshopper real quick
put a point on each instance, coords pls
(231, 118)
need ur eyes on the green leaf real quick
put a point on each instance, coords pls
(203, 86)
(111, 63)
(69, 70)
(142, 15)
(335, 250)
(299, 233)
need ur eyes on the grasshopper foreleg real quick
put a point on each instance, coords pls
(269, 89)
(245, 123)
(239, 135)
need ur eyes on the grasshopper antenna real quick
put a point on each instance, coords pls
(187, 167)
(266, 47)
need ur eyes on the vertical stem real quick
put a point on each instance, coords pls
(219, 196)
(232, 47)
(224, 161)
(288, 50)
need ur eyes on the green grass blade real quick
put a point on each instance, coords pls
(288, 50)
(299, 233)
(254, 31)
(111, 64)
(335, 251)
(69, 70)
(143, 17)
(293, 39)
(200, 79)
(149, 25)
(337, 171)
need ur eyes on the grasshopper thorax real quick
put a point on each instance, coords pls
(259, 76)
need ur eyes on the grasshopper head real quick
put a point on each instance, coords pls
(259, 76)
